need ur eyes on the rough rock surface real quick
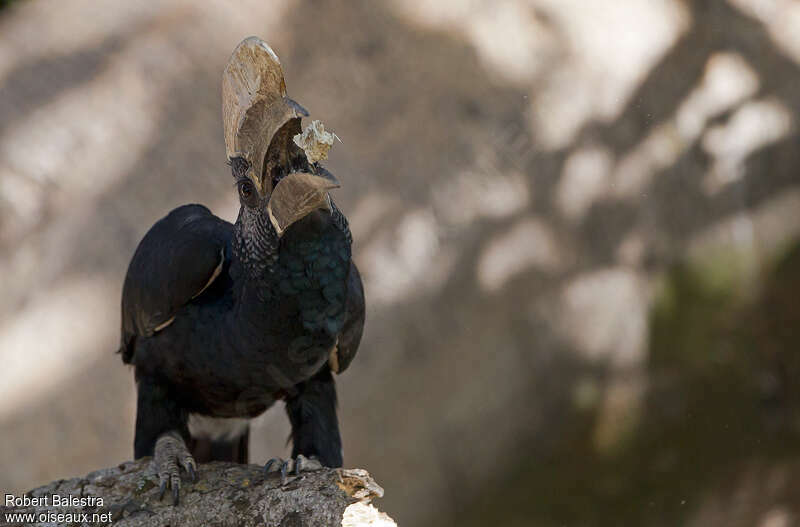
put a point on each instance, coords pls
(225, 494)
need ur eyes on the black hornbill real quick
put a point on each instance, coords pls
(221, 320)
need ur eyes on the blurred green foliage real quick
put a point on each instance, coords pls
(6, 3)
(719, 399)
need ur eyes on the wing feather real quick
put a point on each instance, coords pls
(176, 261)
(350, 337)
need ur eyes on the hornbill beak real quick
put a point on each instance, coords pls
(255, 108)
(260, 122)
(299, 194)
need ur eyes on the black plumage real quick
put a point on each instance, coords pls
(254, 335)
(222, 320)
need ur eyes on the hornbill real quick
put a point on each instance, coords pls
(222, 320)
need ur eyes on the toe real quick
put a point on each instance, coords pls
(162, 486)
(189, 465)
(168, 476)
(272, 463)
(284, 470)
(175, 482)
(171, 454)
(291, 466)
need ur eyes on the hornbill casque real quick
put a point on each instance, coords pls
(222, 320)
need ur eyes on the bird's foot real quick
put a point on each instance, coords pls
(171, 452)
(296, 466)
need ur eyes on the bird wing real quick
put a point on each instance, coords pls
(350, 337)
(178, 258)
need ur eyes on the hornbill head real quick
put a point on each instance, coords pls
(274, 176)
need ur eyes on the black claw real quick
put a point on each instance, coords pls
(268, 466)
(298, 465)
(192, 474)
(162, 488)
(175, 494)
(284, 469)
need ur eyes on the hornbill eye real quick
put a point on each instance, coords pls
(246, 190)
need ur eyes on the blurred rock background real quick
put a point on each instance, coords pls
(577, 221)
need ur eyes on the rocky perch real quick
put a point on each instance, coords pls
(225, 494)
